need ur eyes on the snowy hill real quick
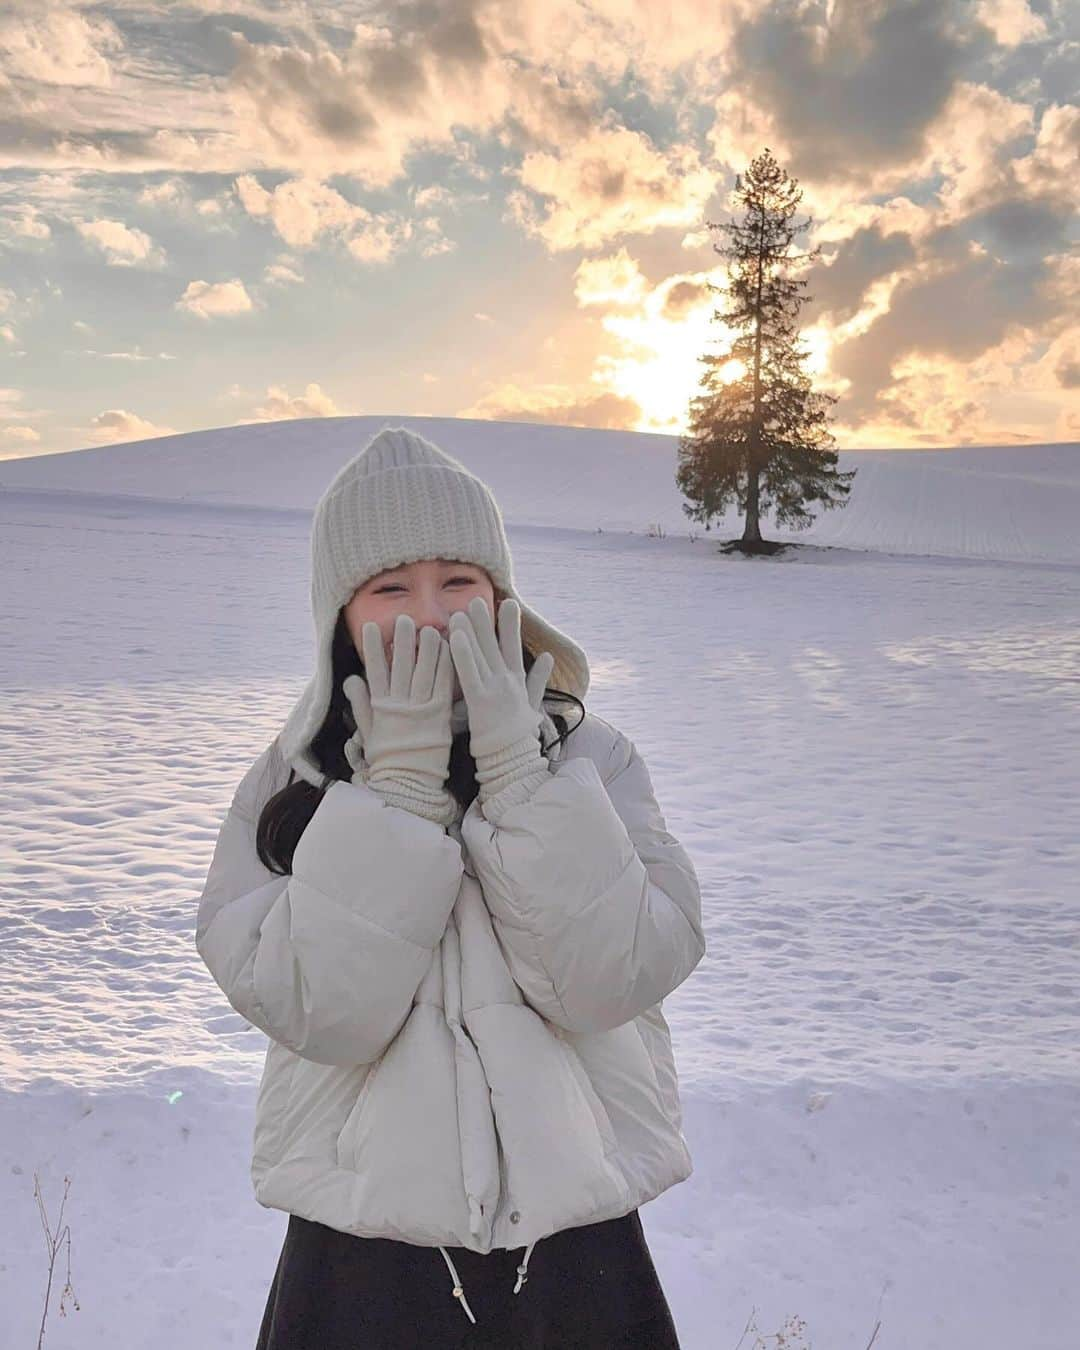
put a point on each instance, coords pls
(1020, 502)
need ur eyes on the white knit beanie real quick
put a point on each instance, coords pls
(399, 500)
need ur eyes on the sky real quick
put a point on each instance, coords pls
(230, 211)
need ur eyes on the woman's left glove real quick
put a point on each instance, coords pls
(504, 704)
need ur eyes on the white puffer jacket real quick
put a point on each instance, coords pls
(467, 1043)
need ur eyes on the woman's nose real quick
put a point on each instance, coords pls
(439, 619)
(432, 616)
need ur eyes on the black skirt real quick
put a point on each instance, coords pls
(589, 1288)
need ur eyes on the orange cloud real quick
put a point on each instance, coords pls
(280, 405)
(558, 405)
(117, 424)
(611, 182)
(123, 245)
(209, 300)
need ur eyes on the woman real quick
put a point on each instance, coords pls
(456, 927)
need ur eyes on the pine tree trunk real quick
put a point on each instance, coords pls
(752, 527)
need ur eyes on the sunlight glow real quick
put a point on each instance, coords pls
(659, 366)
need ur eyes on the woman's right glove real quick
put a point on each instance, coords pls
(403, 720)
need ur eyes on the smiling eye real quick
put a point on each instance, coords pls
(393, 586)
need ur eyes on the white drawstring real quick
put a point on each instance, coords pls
(459, 1292)
(522, 1276)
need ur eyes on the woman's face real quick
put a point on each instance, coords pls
(429, 591)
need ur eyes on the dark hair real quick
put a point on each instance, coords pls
(285, 816)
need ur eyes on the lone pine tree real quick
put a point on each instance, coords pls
(760, 438)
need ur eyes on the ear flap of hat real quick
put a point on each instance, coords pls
(308, 714)
(571, 669)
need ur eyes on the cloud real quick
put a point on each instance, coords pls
(439, 195)
(614, 280)
(135, 355)
(611, 182)
(208, 299)
(1011, 21)
(57, 45)
(9, 411)
(1007, 394)
(663, 48)
(1050, 168)
(73, 95)
(846, 92)
(544, 109)
(379, 241)
(280, 406)
(554, 404)
(937, 315)
(116, 425)
(429, 76)
(435, 194)
(300, 210)
(282, 273)
(23, 221)
(303, 210)
(432, 240)
(418, 83)
(838, 284)
(985, 260)
(123, 245)
(1067, 370)
(973, 146)
(17, 435)
(363, 111)
(166, 193)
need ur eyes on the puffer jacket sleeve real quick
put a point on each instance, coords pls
(327, 960)
(596, 907)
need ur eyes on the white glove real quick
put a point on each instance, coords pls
(401, 747)
(504, 703)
